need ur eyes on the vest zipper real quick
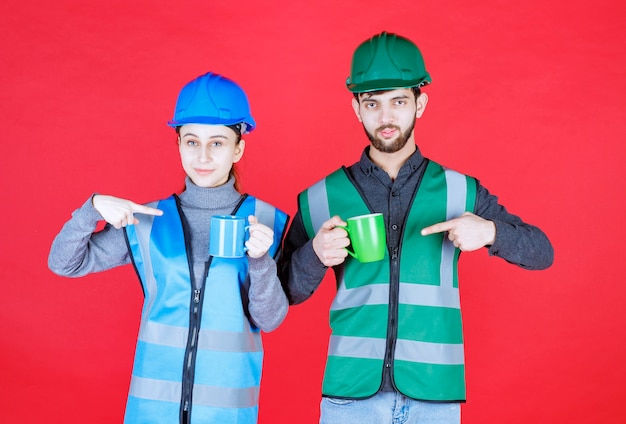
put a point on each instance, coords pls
(392, 323)
(189, 367)
(394, 289)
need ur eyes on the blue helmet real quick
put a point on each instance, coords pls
(213, 99)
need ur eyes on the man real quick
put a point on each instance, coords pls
(396, 349)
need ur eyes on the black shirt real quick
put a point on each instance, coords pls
(516, 242)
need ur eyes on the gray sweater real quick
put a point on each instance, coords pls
(77, 250)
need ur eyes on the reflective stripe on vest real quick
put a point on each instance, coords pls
(229, 356)
(428, 356)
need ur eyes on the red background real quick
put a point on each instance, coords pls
(527, 96)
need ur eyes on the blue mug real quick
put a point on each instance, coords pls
(228, 235)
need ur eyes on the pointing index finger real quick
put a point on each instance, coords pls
(147, 210)
(437, 228)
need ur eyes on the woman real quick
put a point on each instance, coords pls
(199, 354)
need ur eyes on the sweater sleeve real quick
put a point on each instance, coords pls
(300, 269)
(78, 250)
(517, 242)
(267, 301)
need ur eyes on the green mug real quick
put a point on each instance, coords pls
(368, 239)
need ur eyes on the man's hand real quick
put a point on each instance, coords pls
(468, 232)
(330, 242)
(261, 238)
(120, 212)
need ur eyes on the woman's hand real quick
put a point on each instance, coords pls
(261, 238)
(120, 212)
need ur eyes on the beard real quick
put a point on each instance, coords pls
(394, 146)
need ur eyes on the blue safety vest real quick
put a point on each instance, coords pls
(198, 357)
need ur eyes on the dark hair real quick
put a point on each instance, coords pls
(236, 128)
(416, 91)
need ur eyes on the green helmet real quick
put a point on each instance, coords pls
(384, 62)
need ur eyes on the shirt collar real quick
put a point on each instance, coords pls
(412, 163)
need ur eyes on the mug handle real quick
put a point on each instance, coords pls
(246, 229)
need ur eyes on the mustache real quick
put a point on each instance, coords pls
(388, 127)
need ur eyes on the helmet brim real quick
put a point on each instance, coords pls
(250, 124)
(377, 85)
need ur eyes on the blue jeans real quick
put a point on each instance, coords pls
(388, 408)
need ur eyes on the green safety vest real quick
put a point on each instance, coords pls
(416, 287)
